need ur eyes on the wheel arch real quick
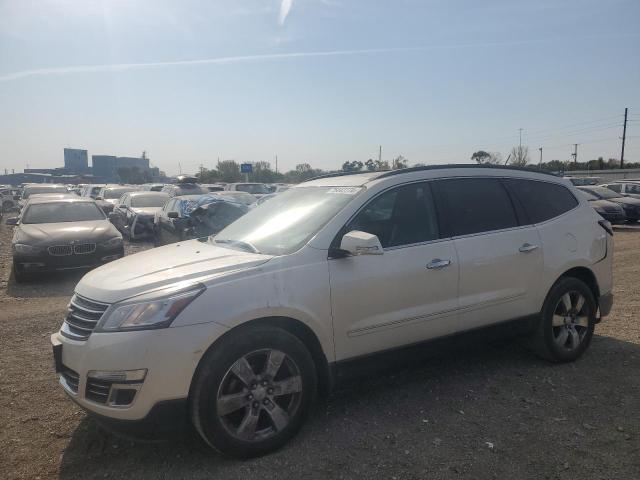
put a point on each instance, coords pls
(587, 276)
(295, 327)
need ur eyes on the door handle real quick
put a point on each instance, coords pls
(437, 264)
(527, 247)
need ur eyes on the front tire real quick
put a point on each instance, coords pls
(253, 391)
(567, 321)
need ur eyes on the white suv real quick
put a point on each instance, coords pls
(238, 332)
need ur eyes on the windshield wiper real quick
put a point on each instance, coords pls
(239, 243)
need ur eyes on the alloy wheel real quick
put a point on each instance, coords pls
(570, 320)
(259, 395)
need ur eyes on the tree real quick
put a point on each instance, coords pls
(488, 158)
(399, 162)
(370, 165)
(354, 166)
(382, 165)
(519, 156)
(229, 171)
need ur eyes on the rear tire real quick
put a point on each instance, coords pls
(253, 391)
(567, 321)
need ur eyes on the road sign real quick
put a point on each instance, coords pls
(246, 168)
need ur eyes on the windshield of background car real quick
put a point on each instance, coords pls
(289, 220)
(55, 212)
(113, 193)
(588, 195)
(150, 201)
(252, 188)
(32, 190)
(604, 192)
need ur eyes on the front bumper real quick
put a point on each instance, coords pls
(43, 262)
(169, 355)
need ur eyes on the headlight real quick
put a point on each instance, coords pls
(26, 249)
(112, 242)
(152, 313)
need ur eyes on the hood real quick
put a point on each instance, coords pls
(606, 205)
(65, 232)
(188, 262)
(148, 211)
(626, 201)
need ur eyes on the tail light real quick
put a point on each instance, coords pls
(606, 225)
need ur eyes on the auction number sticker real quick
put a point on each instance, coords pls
(344, 190)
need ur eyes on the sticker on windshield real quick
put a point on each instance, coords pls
(344, 190)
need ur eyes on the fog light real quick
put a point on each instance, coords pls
(123, 396)
(119, 376)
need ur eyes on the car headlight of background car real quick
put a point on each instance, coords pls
(147, 312)
(112, 242)
(26, 249)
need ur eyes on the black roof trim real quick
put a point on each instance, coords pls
(391, 173)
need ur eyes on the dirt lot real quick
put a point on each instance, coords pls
(491, 412)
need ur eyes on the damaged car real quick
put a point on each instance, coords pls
(135, 213)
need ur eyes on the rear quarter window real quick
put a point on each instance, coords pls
(540, 200)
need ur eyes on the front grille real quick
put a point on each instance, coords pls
(60, 250)
(84, 248)
(71, 378)
(82, 317)
(97, 390)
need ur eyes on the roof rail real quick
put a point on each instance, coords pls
(342, 174)
(391, 173)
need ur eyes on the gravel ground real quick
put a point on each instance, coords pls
(493, 411)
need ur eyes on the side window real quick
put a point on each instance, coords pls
(616, 187)
(474, 205)
(401, 216)
(541, 200)
(632, 188)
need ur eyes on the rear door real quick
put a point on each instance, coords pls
(407, 294)
(500, 256)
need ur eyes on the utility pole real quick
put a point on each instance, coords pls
(380, 155)
(201, 172)
(575, 152)
(624, 137)
(276, 163)
(520, 131)
(540, 164)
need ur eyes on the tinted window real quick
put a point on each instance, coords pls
(633, 188)
(62, 212)
(473, 205)
(616, 187)
(541, 200)
(150, 201)
(401, 216)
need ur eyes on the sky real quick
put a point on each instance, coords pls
(316, 81)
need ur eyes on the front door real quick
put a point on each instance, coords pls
(407, 294)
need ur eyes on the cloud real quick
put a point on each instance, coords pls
(121, 67)
(285, 8)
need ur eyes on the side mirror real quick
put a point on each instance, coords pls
(11, 221)
(361, 243)
(172, 215)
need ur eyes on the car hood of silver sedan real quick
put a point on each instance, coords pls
(179, 263)
(146, 211)
(64, 232)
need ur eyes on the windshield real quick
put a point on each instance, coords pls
(55, 212)
(254, 188)
(602, 192)
(32, 190)
(150, 201)
(588, 195)
(113, 193)
(286, 222)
